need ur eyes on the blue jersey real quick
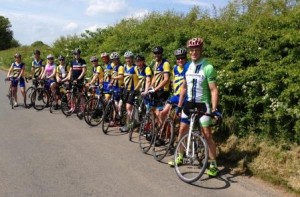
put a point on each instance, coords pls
(77, 67)
(17, 68)
(37, 66)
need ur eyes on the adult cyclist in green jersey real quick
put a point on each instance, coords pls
(200, 90)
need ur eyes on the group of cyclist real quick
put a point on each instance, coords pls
(193, 84)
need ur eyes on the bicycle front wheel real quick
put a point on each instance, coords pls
(163, 141)
(40, 99)
(67, 104)
(28, 94)
(133, 122)
(93, 112)
(146, 133)
(108, 117)
(194, 161)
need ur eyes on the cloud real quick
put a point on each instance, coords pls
(194, 2)
(71, 26)
(104, 6)
(140, 14)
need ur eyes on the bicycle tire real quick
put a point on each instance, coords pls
(40, 99)
(123, 117)
(80, 105)
(192, 169)
(160, 151)
(107, 116)
(11, 98)
(146, 133)
(93, 112)
(66, 104)
(27, 100)
(132, 122)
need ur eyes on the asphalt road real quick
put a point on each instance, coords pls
(43, 154)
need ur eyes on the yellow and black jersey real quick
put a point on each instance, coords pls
(161, 68)
(118, 70)
(178, 77)
(107, 72)
(17, 68)
(98, 71)
(130, 77)
(37, 66)
(143, 73)
(62, 71)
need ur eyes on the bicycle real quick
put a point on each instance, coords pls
(40, 96)
(10, 94)
(71, 101)
(195, 150)
(54, 99)
(112, 114)
(164, 136)
(94, 107)
(137, 113)
(30, 90)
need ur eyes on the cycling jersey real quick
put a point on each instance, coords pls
(118, 70)
(17, 68)
(77, 67)
(178, 76)
(49, 68)
(62, 71)
(107, 72)
(198, 76)
(130, 77)
(143, 72)
(161, 68)
(98, 71)
(37, 66)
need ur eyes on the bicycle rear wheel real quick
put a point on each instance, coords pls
(108, 117)
(28, 94)
(40, 99)
(163, 141)
(11, 98)
(80, 105)
(194, 164)
(146, 133)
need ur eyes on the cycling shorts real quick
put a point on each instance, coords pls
(21, 82)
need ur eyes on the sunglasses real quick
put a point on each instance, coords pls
(94, 61)
(50, 58)
(180, 58)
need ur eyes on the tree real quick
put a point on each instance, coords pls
(6, 35)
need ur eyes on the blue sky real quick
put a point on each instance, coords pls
(46, 21)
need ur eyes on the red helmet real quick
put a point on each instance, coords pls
(195, 42)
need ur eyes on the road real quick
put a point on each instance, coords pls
(43, 154)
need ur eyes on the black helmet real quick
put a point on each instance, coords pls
(76, 51)
(180, 52)
(60, 57)
(36, 51)
(158, 49)
(139, 58)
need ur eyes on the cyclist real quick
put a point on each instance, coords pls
(117, 81)
(130, 82)
(97, 72)
(200, 88)
(17, 70)
(107, 73)
(178, 75)
(50, 73)
(62, 70)
(161, 80)
(37, 67)
(77, 68)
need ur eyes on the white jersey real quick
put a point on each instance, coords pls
(198, 75)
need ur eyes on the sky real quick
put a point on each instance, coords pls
(47, 20)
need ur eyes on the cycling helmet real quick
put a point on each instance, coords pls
(18, 55)
(128, 54)
(139, 58)
(76, 51)
(50, 56)
(114, 55)
(36, 51)
(93, 59)
(104, 54)
(60, 57)
(195, 42)
(158, 49)
(180, 52)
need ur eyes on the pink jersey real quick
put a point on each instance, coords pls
(49, 69)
